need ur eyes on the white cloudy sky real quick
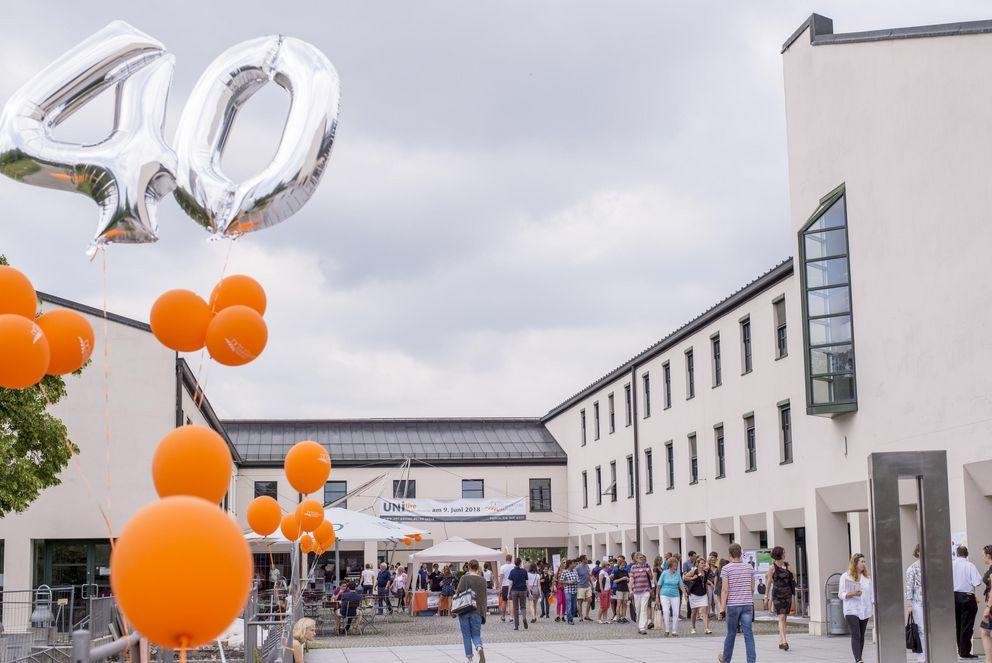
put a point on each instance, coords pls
(521, 195)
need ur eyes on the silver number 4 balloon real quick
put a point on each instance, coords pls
(131, 170)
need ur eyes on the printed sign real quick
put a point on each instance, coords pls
(452, 511)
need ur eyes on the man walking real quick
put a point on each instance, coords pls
(504, 586)
(570, 581)
(641, 584)
(966, 579)
(583, 593)
(383, 583)
(737, 603)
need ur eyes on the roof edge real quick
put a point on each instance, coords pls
(91, 310)
(822, 33)
(185, 375)
(418, 420)
(816, 24)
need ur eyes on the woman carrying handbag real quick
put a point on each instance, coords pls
(470, 620)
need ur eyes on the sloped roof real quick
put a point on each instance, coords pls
(353, 442)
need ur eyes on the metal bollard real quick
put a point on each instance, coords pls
(81, 646)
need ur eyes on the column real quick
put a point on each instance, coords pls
(826, 540)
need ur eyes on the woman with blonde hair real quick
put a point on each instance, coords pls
(858, 595)
(304, 630)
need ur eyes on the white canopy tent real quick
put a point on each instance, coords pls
(350, 526)
(456, 549)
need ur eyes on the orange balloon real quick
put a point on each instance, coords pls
(238, 290)
(264, 515)
(17, 295)
(172, 554)
(236, 336)
(324, 532)
(310, 514)
(179, 320)
(318, 549)
(406, 541)
(192, 460)
(307, 466)
(328, 542)
(290, 527)
(418, 537)
(551, 598)
(24, 352)
(70, 339)
(306, 543)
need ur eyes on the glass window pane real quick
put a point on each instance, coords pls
(832, 218)
(833, 389)
(824, 331)
(826, 272)
(834, 359)
(829, 301)
(830, 243)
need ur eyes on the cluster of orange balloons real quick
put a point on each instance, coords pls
(55, 343)
(307, 465)
(181, 569)
(230, 325)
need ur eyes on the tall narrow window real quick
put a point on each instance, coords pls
(334, 491)
(612, 413)
(785, 431)
(746, 345)
(670, 464)
(750, 444)
(404, 488)
(828, 328)
(646, 379)
(781, 333)
(717, 369)
(599, 485)
(585, 489)
(721, 452)
(613, 481)
(473, 488)
(628, 404)
(267, 488)
(595, 420)
(540, 495)
(649, 471)
(582, 425)
(667, 374)
(690, 374)
(630, 476)
(693, 459)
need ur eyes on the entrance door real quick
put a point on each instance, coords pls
(80, 567)
(802, 574)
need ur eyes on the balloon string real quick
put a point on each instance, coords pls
(106, 380)
(183, 643)
(201, 386)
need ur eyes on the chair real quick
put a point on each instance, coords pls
(366, 616)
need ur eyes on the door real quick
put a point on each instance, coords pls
(80, 569)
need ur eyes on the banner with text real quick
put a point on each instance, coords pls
(452, 511)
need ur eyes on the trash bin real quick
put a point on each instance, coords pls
(836, 624)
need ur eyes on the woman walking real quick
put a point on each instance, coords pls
(914, 599)
(858, 596)
(471, 622)
(669, 591)
(545, 591)
(604, 593)
(559, 593)
(985, 628)
(447, 591)
(698, 581)
(533, 590)
(781, 585)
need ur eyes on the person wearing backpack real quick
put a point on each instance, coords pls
(471, 622)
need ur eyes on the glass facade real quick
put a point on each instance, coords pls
(828, 323)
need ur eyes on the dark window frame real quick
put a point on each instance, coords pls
(612, 414)
(690, 374)
(629, 403)
(666, 372)
(595, 421)
(750, 444)
(599, 484)
(781, 328)
(270, 488)
(646, 385)
(720, 446)
(613, 481)
(787, 449)
(649, 471)
(543, 499)
(582, 426)
(330, 497)
(715, 353)
(630, 476)
(747, 345)
(693, 444)
(670, 465)
(404, 489)
(585, 489)
(482, 489)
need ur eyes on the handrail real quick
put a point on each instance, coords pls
(81, 652)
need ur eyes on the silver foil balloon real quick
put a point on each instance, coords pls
(228, 208)
(129, 171)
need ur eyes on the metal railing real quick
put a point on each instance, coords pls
(35, 621)
(84, 652)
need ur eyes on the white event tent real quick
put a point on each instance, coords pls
(456, 549)
(352, 526)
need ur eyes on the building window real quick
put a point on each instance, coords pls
(649, 470)
(670, 464)
(647, 395)
(721, 452)
(267, 488)
(690, 375)
(717, 369)
(785, 431)
(666, 369)
(746, 345)
(612, 414)
(750, 448)
(629, 405)
(781, 334)
(763, 538)
(334, 491)
(599, 485)
(693, 459)
(582, 425)
(613, 481)
(827, 323)
(540, 495)
(630, 476)
(404, 488)
(473, 488)
(585, 489)
(595, 420)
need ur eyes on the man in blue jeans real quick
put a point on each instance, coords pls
(570, 580)
(737, 603)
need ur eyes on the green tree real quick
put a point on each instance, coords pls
(34, 445)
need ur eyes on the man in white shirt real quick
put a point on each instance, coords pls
(368, 579)
(487, 574)
(504, 585)
(966, 579)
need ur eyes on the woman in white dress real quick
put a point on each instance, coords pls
(533, 591)
(858, 595)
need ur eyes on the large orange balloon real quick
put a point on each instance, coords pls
(310, 514)
(307, 466)
(290, 527)
(238, 290)
(179, 320)
(306, 543)
(24, 352)
(192, 460)
(181, 571)
(236, 335)
(17, 295)
(324, 533)
(70, 338)
(264, 515)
